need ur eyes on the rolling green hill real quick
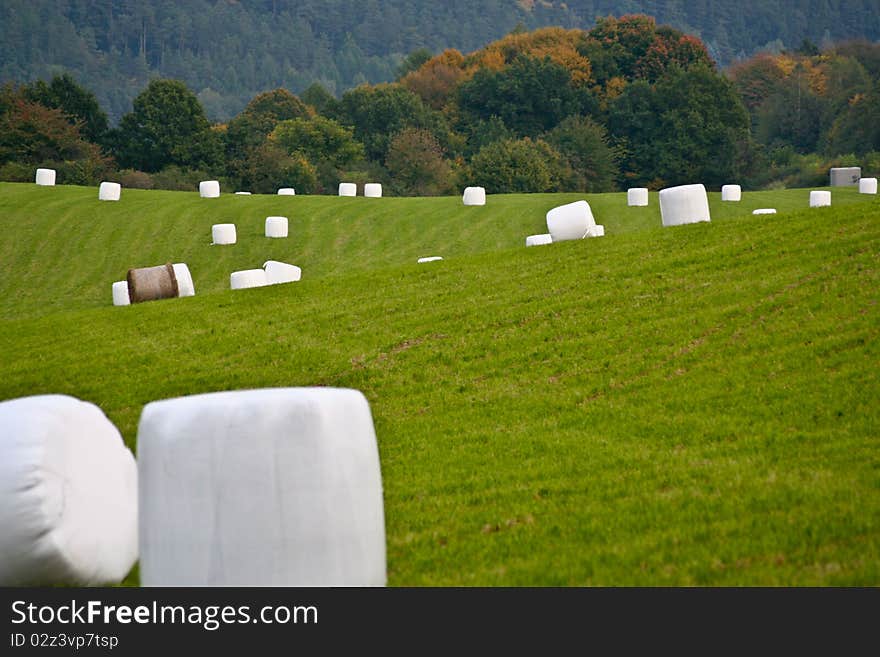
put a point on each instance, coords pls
(689, 405)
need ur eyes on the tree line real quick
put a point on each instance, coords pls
(628, 103)
(228, 51)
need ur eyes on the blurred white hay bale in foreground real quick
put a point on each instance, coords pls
(271, 487)
(68, 494)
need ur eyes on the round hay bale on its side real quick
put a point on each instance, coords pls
(152, 283)
(281, 272)
(373, 190)
(539, 240)
(185, 286)
(240, 280)
(348, 189)
(287, 191)
(685, 204)
(120, 293)
(571, 221)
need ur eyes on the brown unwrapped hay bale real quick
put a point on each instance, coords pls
(151, 283)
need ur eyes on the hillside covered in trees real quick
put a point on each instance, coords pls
(628, 103)
(227, 51)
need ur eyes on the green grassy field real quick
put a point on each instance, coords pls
(694, 405)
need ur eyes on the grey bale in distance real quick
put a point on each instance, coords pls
(151, 283)
(845, 176)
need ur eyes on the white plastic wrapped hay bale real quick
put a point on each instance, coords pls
(281, 272)
(240, 280)
(474, 196)
(571, 221)
(820, 198)
(272, 487)
(120, 294)
(287, 191)
(764, 211)
(373, 190)
(68, 494)
(731, 193)
(596, 231)
(637, 196)
(867, 186)
(429, 259)
(223, 234)
(152, 283)
(45, 177)
(685, 204)
(185, 286)
(348, 189)
(209, 189)
(845, 176)
(276, 226)
(242, 193)
(109, 191)
(539, 240)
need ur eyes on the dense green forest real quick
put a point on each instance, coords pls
(627, 103)
(227, 51)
